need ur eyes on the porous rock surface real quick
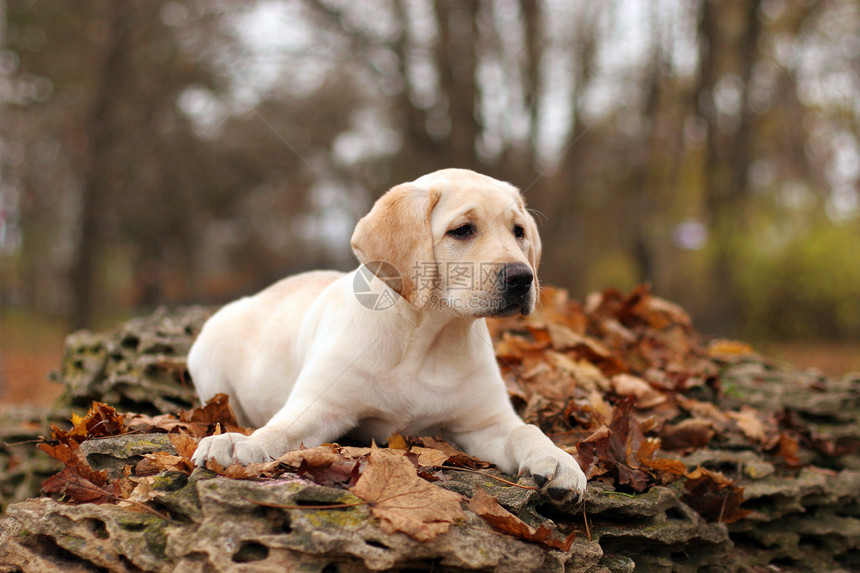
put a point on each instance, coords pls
(800, 520)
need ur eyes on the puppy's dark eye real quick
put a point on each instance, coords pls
(463, 231)
(519, 231)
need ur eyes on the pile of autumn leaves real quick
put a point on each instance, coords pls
(609, 382)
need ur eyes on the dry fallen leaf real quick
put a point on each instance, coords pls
(749, 423)
(666, 468)
(167, 462)
(184, 445)
(215, 412)
(72, 483)
(629, 385)
(397, 442)
(721, 348)
(687, 435)
(714, 496)
(429, 457)
(402, 501)
(455, 456)
(319, 456)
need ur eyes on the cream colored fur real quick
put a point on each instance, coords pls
(307, 361)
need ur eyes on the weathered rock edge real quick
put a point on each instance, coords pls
(223, 524)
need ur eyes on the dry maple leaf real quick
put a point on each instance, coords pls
(101, 420)
(488, 508)
(184, 445)
(216, 411)
(402, 501)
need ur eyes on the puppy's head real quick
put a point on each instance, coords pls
(460, 241)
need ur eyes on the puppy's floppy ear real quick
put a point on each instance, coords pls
(397, 232)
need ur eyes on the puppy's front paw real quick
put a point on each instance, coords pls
(557, 473)
(229, 449)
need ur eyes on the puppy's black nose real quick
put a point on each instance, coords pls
(518, 278)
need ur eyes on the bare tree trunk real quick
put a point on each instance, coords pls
(100, 134)
(740, 155)
(728, 158)
(645, 200)
(532, 74)
(568, 228)
(456, 60)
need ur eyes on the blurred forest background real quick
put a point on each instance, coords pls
(192, 151)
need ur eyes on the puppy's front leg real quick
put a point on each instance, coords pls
(515, 446)
(303, 420)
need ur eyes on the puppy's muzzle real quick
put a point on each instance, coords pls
(515, 282)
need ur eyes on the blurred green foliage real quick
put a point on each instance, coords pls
(808, 288)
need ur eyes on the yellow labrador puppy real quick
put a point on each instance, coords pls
(398, 345)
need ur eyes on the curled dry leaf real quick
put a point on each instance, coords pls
(622, 451)
(167, 462)
(81, 486)
(184, 445)
(325, 465)
(500, 518)
(429, 457)
(217, 411)
(317, 457)
(456, 457)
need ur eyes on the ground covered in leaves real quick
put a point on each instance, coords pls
(700, 456)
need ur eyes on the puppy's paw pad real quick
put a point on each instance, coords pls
(228, 449)
(557, 474)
